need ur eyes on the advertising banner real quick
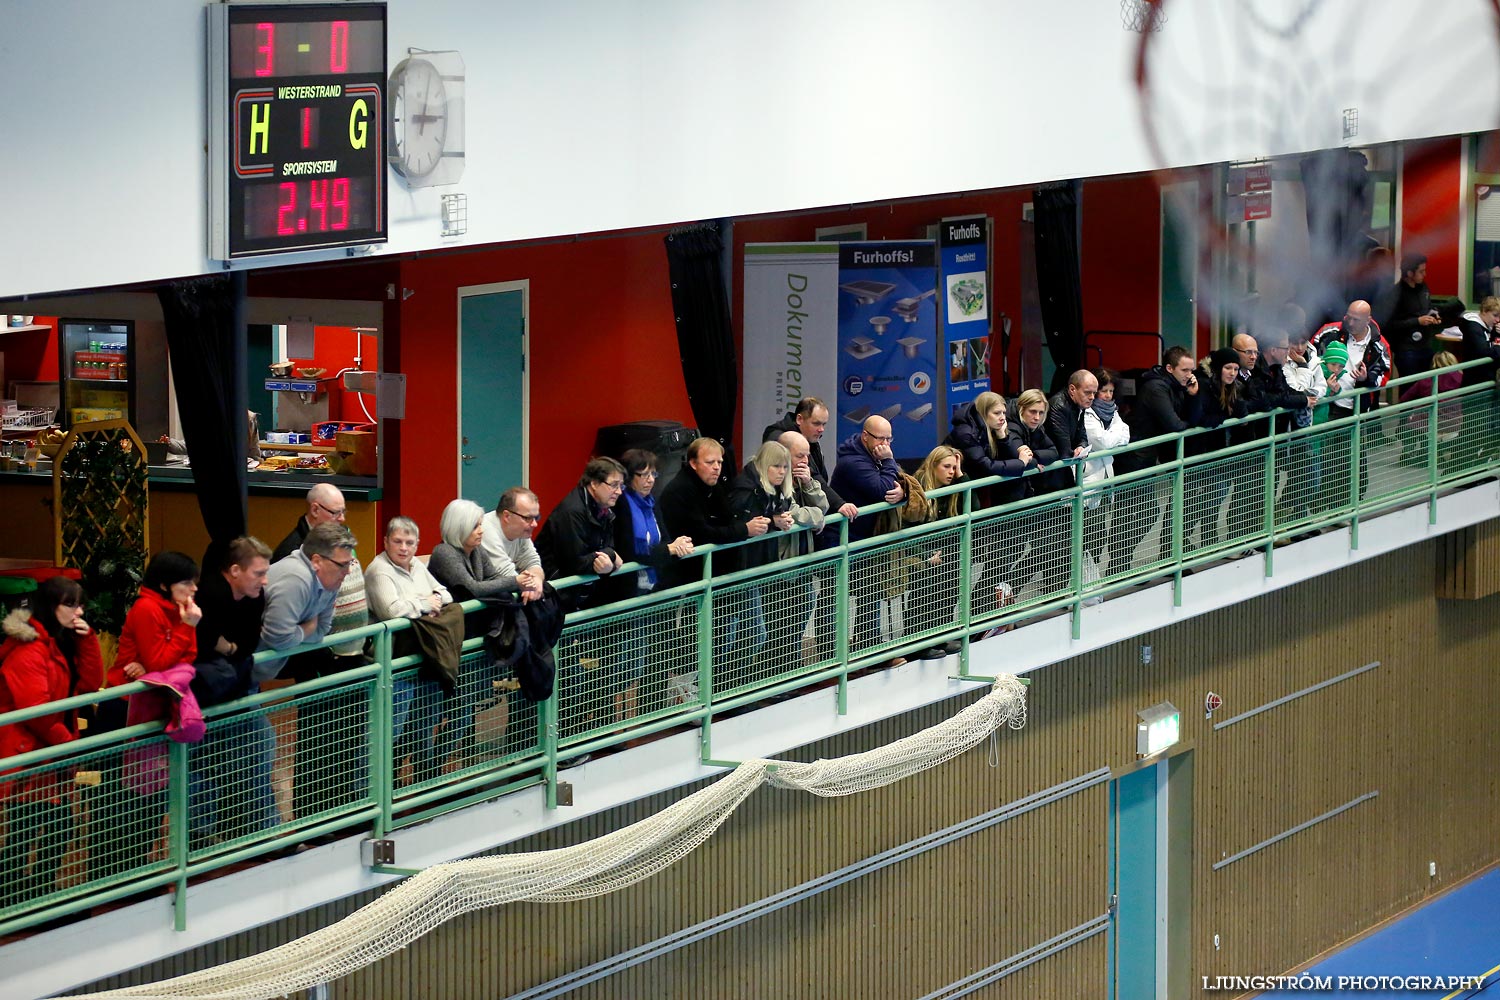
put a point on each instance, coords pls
(963, 268)
(887, 342)
(791, 328)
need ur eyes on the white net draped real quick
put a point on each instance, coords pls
(636, 852)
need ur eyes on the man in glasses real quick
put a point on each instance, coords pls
(579, 536)
(507, 539)
(300, 591)
(317, 590)
(325, 504)
(866, 473)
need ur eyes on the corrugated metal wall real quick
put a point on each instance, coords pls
(1418, 729)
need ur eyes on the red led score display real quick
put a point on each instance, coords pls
(298, 95)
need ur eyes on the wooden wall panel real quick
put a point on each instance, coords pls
(1418, 729)
(1469, 562)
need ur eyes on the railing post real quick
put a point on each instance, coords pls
(1432, 452)
(1354, 467)
(1075, 542)
(705, 656)
(381, 747)
(1176, 512)
(177, 827)
(841, 619)
(548, 716)
(965, 580)
(1268, 515)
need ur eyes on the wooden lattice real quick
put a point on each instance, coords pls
(99, 503)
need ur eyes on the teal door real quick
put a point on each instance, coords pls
(1179, 264)
(492, 391)
(1137, 934)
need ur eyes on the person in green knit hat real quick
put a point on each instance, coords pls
(1335, 357)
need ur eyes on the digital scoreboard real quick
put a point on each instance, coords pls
(296, 127)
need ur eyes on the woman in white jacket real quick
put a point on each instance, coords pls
(1106, 429)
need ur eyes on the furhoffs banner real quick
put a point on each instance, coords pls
(888, 342)
(791, 331)
(963, 263)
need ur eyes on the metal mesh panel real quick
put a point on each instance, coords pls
(1468, 434)
(1314, 483)
(93, 820)
(1223, 503)
(1126, 528)
(231, 790)
(330, 751)
(617, 670)
(1395, 453)
(1022, 558)
(783, 604)
(435, 736)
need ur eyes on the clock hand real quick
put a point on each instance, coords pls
(426, 118)
(423, 117)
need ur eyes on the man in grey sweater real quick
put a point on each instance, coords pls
(300, 591)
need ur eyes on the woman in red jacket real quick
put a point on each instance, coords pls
(159, 632)
(48, 654)
(161, 629)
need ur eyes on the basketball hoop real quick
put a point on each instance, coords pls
(1141, 16)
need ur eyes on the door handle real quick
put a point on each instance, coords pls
(468, 458)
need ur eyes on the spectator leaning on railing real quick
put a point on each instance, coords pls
(507, 541)
(300, 592)
(47, 654)
(230, 770)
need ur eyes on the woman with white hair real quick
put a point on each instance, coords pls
(458, 562)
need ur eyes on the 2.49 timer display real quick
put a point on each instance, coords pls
(305, 95)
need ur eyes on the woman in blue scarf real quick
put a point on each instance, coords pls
(640, 537)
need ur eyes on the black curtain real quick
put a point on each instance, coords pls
(206, 341)
(1058, 285)
(1336, 185)
(705, 336)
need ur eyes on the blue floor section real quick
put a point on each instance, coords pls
(1455, 934)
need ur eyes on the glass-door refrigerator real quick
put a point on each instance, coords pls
(96, 366)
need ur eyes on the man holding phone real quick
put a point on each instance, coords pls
(1406, 315)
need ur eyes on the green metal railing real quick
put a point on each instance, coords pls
(380, 747)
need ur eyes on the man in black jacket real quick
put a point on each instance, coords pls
(1065, 425)
(696, 503)
(578, 537)
(1407, 318)
(1166, 402)
(1265, 387)
(810, 419)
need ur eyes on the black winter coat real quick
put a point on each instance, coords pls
(1042, 450)
(1162, 406)
(689, 506)
(1478, 343)
(971, 437)
(574, 531)
(1065, 425)
(747, 499)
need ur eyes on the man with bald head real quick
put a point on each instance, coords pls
(1065, 423)
(1369, 364)
(867, 473)
(1368, 367)
(325, 503)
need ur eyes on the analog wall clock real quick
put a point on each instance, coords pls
(426, 124)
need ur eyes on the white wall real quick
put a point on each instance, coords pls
(587, 115)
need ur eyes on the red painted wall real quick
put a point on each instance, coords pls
(31, 356)
(1120, 267)
(603, 349)
(1430, 208)
(333, 350)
